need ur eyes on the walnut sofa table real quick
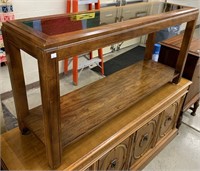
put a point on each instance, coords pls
(63, 121)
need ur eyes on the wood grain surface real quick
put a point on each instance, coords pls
(175, 43)
(28, 153)
(85, 109)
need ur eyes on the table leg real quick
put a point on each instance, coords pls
(18, 84)
(75, 70)
(194, 109)
(150, 46)
(100, 53)
(50, 93)
(66, 63)
(182, 57)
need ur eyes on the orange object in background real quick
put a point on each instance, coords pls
(72, 6)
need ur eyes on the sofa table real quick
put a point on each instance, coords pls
(61, 122)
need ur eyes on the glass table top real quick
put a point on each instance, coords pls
(80, 21)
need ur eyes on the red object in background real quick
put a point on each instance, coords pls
(7, 16)
(3, 18)
(74, 7)
(66, 23)
(2, 58)
(2, 53)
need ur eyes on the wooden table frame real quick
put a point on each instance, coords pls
(191, 71)
(49, 50)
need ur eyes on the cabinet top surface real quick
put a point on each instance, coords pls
(175, 43)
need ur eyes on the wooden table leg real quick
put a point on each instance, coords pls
(182, 57)
(194, 109)
(18, 84)
(50, 92)
(66, 63)
(100, 53)
(180, 118)
(150, 46)
(75, 70)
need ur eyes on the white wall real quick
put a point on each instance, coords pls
(192, 3)
(33, 8)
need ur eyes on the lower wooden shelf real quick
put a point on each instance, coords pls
(87, 108)
(26, 152)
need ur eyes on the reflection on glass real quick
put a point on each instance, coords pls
(74, 22)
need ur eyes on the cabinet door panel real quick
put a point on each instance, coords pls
(116, 159)
(169, 118)
(144, 139)
(92, 168)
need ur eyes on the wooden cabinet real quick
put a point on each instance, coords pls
(128, 141)
(138, 147)
(169, 118)
(168, 55)
(117, 158)
(78, 128)
(144, 140)
(132, 152)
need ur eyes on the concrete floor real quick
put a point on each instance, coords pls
(183, 152)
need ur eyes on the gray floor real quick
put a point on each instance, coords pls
(183, 153)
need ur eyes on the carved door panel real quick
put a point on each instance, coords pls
(116, 159)
(92, 168)
(144, 139)
(168, 119)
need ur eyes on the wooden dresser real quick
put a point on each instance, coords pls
(119, 122)
(128, 141)
(168, 55)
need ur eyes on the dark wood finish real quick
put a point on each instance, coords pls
(169, 54)
(3, 166)
(50, 49)
(93, 103)
(150, 46)
(28, 153)
(153, 140)
(169, 118)
(184, 49)
(17, 81)
(46, 41)
(194, 109)
(79, 42)
(50, 92)
(97, 104)
(144, 139)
